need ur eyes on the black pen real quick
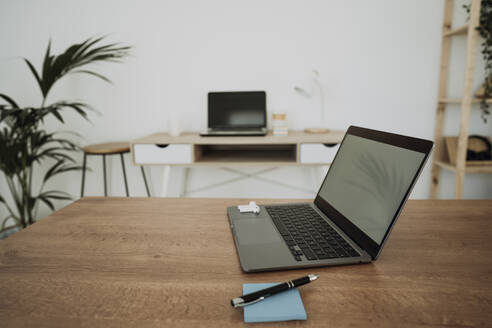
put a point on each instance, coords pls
(262, 294)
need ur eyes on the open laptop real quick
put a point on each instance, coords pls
(352, 215)
(240, 113)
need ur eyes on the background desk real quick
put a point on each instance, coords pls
(164, 262)
(230, 153)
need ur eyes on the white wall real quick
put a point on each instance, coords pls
(378, 61)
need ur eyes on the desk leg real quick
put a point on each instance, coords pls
(315, 177)
(165, 180)
(184, 184)
(318, 173)
(322, 170)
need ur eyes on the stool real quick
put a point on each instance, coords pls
(110, 148)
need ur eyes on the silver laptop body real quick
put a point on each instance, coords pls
(360, 198)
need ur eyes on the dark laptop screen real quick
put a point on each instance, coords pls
(237, 109)
(368, 181)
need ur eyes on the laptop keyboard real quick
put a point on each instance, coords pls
(307, 233)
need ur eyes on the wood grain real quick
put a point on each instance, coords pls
(164, 262)
(240, 151)
(439, 160)
(473, 144)
(460, 30)
(459, 100)
(438, 154)
(468, 169)
(471, 50)
(107, 148)
(332, 136)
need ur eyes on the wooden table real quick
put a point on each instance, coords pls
(137, 262)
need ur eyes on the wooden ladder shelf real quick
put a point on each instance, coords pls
(440, 158)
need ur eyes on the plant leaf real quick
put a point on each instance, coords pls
(52, 170)
(86, 45)
(47, 59)
(47, 196)
(47, 202)
(76, 56)
(55, 194)
(9, 100)
(36, 75)
(60, 167)
(95, 74)
(55, 112)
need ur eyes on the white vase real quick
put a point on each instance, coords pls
(174, 128)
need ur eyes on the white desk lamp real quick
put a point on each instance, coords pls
(310, 94)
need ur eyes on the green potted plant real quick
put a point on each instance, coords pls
(485, 30)
(25, 144)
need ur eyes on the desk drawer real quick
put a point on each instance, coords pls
(162, 154)
(318, 153)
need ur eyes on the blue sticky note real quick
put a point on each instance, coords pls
(279, 307)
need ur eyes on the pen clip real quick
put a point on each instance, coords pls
(252, 302)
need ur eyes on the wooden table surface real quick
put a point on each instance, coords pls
(294, 137)
(139, 262)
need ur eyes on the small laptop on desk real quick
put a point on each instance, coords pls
(352, 215)
(240, 113)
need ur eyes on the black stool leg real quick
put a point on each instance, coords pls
(104, 172)
(83, 176)
(124, 174)
(145, 180)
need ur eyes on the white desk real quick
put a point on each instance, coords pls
(230, 153)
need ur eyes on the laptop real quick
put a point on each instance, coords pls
(240, 113)
(351, 217)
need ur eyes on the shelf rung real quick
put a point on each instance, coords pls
(460, 30)
(444, 165)
(468, 169)
(458, 100)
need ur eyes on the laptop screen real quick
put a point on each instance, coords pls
(237, 109)
(369, 181)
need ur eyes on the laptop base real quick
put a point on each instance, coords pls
(261, 247)
(233, 133)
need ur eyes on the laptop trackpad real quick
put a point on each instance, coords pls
(256, 231)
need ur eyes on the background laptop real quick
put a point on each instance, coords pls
(357, 204)
(241, 113)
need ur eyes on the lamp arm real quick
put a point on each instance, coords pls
(321, 101)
